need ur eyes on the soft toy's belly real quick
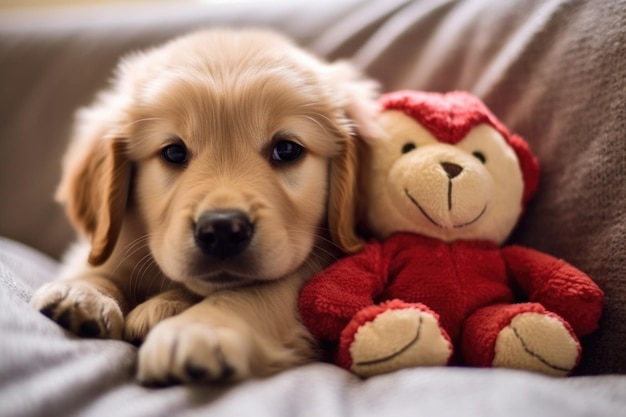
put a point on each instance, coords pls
(454, 280)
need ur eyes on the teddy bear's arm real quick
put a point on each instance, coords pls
(331, 298)
(559, 286)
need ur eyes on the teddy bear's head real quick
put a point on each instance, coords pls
(445, 167)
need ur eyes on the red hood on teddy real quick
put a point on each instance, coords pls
(442, 191)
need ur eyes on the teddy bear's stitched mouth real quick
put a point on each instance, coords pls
(430, 219)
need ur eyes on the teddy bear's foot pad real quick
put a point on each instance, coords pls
(537, 342)
(397, 339)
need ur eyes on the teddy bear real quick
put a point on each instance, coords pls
(442, 185)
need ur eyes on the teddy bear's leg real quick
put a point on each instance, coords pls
(391, 336)
(521, 336)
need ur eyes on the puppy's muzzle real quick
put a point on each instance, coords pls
(223, 233)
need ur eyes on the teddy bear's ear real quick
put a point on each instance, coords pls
(529, 166)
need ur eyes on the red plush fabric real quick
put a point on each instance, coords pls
(448, 116)
(455, 280)
(558, 286)
(481, 330)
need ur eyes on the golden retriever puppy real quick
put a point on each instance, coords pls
(209, 181)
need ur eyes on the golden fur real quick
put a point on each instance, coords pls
(228, 99)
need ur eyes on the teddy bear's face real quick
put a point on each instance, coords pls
(471, 190)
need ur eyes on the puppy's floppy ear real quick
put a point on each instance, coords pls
(359, 109)
(342, 198)
(97, 173)
(94, 189)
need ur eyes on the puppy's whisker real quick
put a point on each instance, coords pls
(146, 119)
(145, 268)
(134, 282)
(166, 284)
(139, 272)
(150, 271)
(138, 275)
(130, 250)
(320, 235)
(320, 125)
(308, 104)
(315, 261)
(320, 115)
(324, 249)
(133, 247)
(316, 116)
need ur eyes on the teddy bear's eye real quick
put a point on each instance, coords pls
(408, 147)
(480, 156)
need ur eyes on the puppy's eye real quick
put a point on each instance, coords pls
(286, 151)
(408, 147)
(175, 153)
(480, 156)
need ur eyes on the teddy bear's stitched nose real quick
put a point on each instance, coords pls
(451, 169)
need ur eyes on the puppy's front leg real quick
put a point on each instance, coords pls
(89, 305)
(147, 314)
(230, 335)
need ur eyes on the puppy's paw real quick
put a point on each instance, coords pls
(180, 351)
(80, 308)
(146, 315)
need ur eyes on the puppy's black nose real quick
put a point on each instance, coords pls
(223, 233)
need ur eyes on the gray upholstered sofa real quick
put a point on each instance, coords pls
(553, 70)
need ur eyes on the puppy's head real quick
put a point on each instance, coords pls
(231, 151)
